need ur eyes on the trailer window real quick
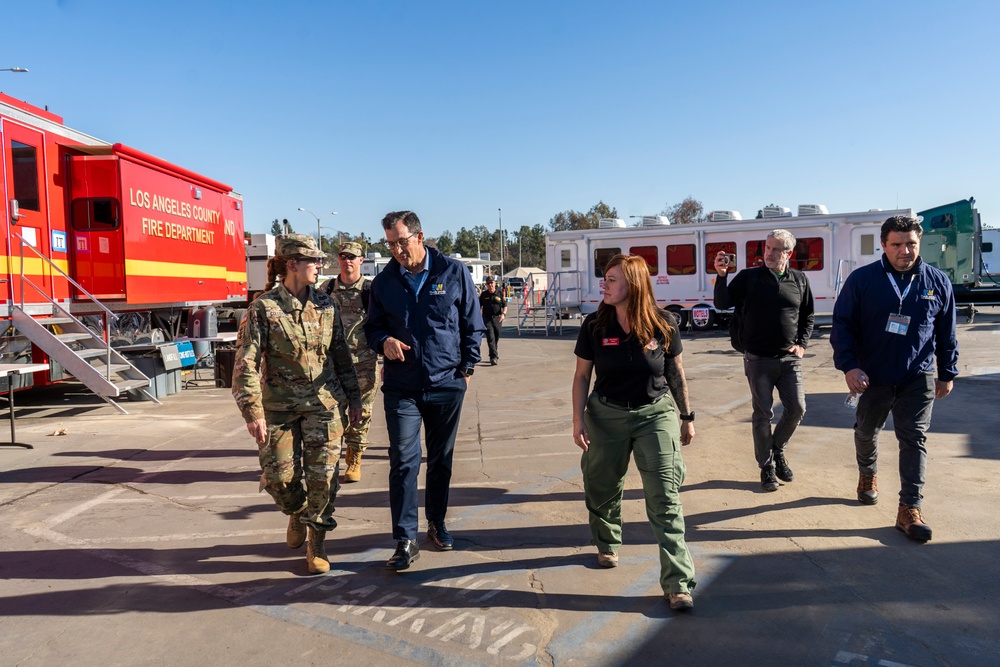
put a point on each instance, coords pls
(808, 255)
(564, 259)
(601, 258)
(712, 249)
(987, 246)
(95, 215)
(25, 160)
(755, 253)
(648, 253)
(680, 260)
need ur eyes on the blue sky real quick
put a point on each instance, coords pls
(456, 109)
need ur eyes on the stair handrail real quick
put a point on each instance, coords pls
(109, 315)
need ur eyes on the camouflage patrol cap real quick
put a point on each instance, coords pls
(288, 245)
(351, 247)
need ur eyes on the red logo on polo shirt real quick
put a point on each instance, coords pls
(606, 342)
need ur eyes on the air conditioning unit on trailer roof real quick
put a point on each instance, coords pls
(610, 223)
(813, 209)
(776, 212)
(720, 216)
(655, 220)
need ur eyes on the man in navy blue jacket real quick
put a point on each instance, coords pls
(423, 316)
(893, 325)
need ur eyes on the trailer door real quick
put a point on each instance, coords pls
(24, 170)
(95, 222)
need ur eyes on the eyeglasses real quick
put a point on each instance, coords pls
(400, 244)
(347, 257)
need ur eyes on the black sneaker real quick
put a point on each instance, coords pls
(781, 468)
(767, 479)
(439, 536)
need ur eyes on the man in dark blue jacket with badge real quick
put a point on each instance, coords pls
(424, 318)
(893, 330)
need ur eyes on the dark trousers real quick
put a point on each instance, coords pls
(493, 337)
(764, 375)
(911, 406)
(439, 410)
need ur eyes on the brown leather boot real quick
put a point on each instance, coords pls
(912, 523)
(353, 473)
(868, 489)
(316, 557)
(295, 535)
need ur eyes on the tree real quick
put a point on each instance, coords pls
(527, 245)
(446, 243)
(687, 212)
(276, 227)
(567, 220)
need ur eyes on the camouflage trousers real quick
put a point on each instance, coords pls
(356, 437)
(300, 463)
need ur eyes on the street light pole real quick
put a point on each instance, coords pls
(319, 242)
(500, 220)
(13, 69)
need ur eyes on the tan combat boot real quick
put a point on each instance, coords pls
(315, 553)
(353, 473)
(295, 535)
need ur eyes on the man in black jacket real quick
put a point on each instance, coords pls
(777, 307)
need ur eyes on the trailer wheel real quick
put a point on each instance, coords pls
(680, 315)
(702, 318)
(238, 316)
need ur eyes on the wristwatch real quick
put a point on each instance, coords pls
(688, 418)
(468, 371)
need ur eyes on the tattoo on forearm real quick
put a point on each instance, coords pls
(674, 372)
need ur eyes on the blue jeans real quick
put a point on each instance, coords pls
(911, 406)
(439, 409)
(764, 374)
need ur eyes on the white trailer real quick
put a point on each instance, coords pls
(991, 252)
(681, 257)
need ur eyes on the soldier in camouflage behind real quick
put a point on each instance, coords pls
(351, 291)
(293, 380)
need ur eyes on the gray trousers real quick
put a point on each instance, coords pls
(764, 374)
(911, 406)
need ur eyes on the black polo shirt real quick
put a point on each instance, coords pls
(626, 371)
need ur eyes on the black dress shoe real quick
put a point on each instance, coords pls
(439, 536)
(407, 551)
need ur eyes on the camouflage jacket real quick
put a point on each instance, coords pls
(353, 315)
(292, 357)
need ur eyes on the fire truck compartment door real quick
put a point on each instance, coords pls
(95, 226)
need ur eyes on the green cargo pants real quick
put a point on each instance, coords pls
(652, 434)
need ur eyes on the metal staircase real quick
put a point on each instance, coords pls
(82, 354)
(541, 312)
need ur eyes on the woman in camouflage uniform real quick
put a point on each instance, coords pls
(292, 378)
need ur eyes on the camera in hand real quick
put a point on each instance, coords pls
(729, 259)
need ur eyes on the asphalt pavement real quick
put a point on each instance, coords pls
(141, 539)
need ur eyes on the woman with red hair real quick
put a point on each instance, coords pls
(635, 349)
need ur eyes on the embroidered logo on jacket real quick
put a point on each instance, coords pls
(438, 289)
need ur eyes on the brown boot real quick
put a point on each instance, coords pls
(912, 523)
(868, 489)
(353, 473)
(315, 553)
(295, 535)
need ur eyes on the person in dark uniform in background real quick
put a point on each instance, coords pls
(494, 308)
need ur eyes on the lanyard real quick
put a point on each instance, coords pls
(895, 288)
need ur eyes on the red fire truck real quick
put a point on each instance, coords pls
(104, 246)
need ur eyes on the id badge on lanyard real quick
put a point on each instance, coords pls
(899, 323)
